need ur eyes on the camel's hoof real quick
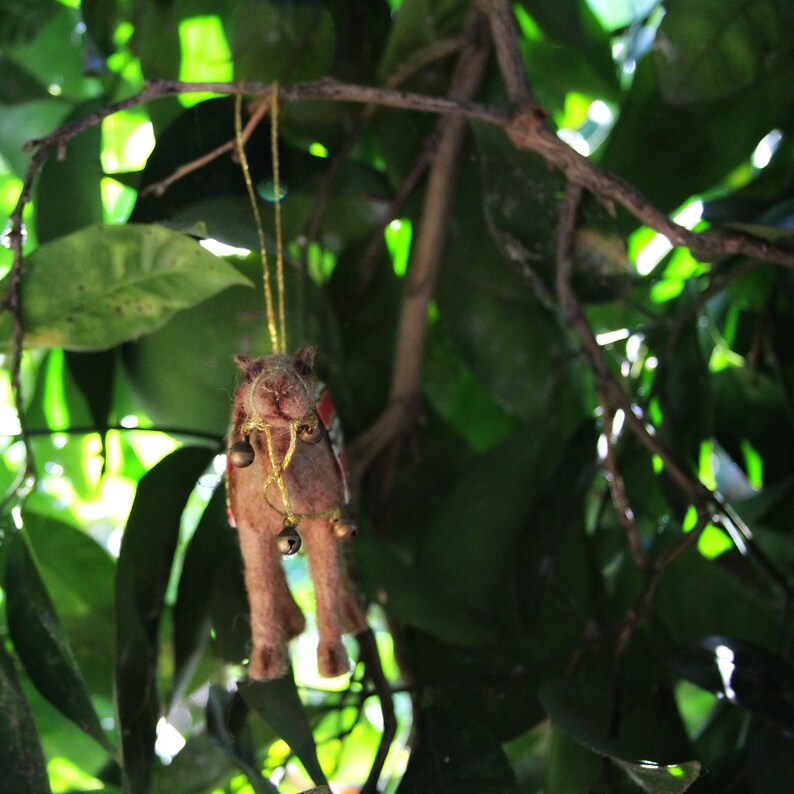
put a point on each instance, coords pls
(332, 660)
(267, 663)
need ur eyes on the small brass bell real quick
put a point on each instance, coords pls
(310, 432)
(288, 540)
(241, 454)
(344, 527)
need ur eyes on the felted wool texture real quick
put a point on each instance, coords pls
(276, 395)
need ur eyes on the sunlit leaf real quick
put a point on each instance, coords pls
(40, 643)
(108, 284)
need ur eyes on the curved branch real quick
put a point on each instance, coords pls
(529, 132)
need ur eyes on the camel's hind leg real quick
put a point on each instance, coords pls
(323, 553)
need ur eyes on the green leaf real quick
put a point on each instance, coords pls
(40, 643)
(659, 778)
(289, 41)
(22, 764)
(415, 598)
(418, 24)
(691, 163)
(200, 766)
(277, 703)
(108, 284)
(683, 386)
(68, 193)
(94, 376)
(25, 120)
(476, 526)
(191, 614)
(747, 675)
(229, 607)
(494, 687)
(714, 48)
(725, 605)
(143, 570)
(455, 754)
(571, 23)
(521, 204)
(192, 391)
(571, 768)
(51, 48)
(646, 740)
(18, 85)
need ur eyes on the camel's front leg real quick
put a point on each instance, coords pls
(275, 617)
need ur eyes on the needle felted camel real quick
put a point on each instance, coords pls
(285, 486)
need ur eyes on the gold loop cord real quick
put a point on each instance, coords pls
(277, 469)
(238, 136)
(277, 195)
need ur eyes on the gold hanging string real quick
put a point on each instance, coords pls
(238, 135)
(277, 195)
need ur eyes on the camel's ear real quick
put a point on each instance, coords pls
(304, 361)
(250, 367)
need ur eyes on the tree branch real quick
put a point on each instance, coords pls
(529, 132)
(504, 33)
(421, 278)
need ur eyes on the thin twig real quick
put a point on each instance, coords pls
(368, 649)
(368, 262)
(158, 188)
(423, 57)
(617, 488)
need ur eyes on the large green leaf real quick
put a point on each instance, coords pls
(22, 764)
(627, 719)
(277, 702)
(456, 754)
(191, 614)
(298, 45)
(200, 766)
(521, 204)
(195, 392)
(416, 599)
(713, 48)
(419, 23)
(142, 575)
(18, 85)
(68, 192)
(40, 643)
(478, 524)
(108, 284)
